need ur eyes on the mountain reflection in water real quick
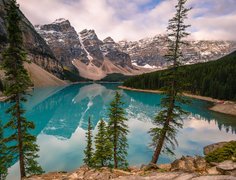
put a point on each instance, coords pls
(61, 113)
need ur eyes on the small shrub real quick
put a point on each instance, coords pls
(227, 152)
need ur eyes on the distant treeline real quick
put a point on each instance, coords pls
(115, 77)
(216, 79)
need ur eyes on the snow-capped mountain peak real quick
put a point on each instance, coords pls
(84, 51)
(60, 20)
(150, 52)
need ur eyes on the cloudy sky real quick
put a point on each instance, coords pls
(136, 19)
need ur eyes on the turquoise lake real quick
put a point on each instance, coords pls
(61, 113)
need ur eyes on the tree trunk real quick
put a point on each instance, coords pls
(115, 158)
(166, 125)
(115, 149)
(159, 145)
(20, 143)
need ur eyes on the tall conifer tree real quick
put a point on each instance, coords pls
(103, 153)
(118, 131)
(169, 118)
(18, 82)
(89, 148)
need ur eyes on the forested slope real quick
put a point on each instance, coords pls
(216, 79)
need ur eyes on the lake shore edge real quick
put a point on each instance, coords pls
(220, 106)
(185, 168)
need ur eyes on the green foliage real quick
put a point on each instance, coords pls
(115, 77)
(227, 152)
(118, 131)
(73, 76)
(103, 154)
(3, 38)
(89, 149)
(1, 86)
(23, 144)
(5, 158)
(213, 79)
(168, 120)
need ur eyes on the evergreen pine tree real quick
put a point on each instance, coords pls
(89, 149)
(118, 131)
(5, 159)
(103, 153)
(18, 82)
(169, 118)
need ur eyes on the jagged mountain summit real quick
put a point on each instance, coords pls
(63, 40)
(57, 47)
(92, 57)
(150, 52)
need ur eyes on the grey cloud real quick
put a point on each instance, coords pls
(122, 19)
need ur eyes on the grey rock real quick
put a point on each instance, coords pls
(200, 164)
(166, 167)
(217, 177)
(151, 51)
(227, 168)
(92, 45)
(37, 49)
(213, 171)
(64, 42)
(149, 166)
(189, 164)
(85, 173)
(69, 46)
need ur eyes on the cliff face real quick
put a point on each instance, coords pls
(92, 57)
(113, 51)
(64, 42)
(38, 50)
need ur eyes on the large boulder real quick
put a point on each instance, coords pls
(220, 152)
(189, 164)
(150, 166)
(165, 167)
(212, 147)
(227, 168)
(213, 171)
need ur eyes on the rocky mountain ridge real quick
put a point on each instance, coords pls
(150, 52)
(38, 52)
(88, 53)
(63, 40)
(57, 46)
(92, 57)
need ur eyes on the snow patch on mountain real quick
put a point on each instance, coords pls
(83, 47)
(151, 51)
(60, 20)
(145, 66)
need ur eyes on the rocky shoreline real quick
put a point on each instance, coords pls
(84, 173)
(185, 168)
(225, 107)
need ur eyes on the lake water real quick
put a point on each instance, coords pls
(61, 113)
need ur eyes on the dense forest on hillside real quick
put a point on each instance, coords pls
(216, 79)
(115, 77)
